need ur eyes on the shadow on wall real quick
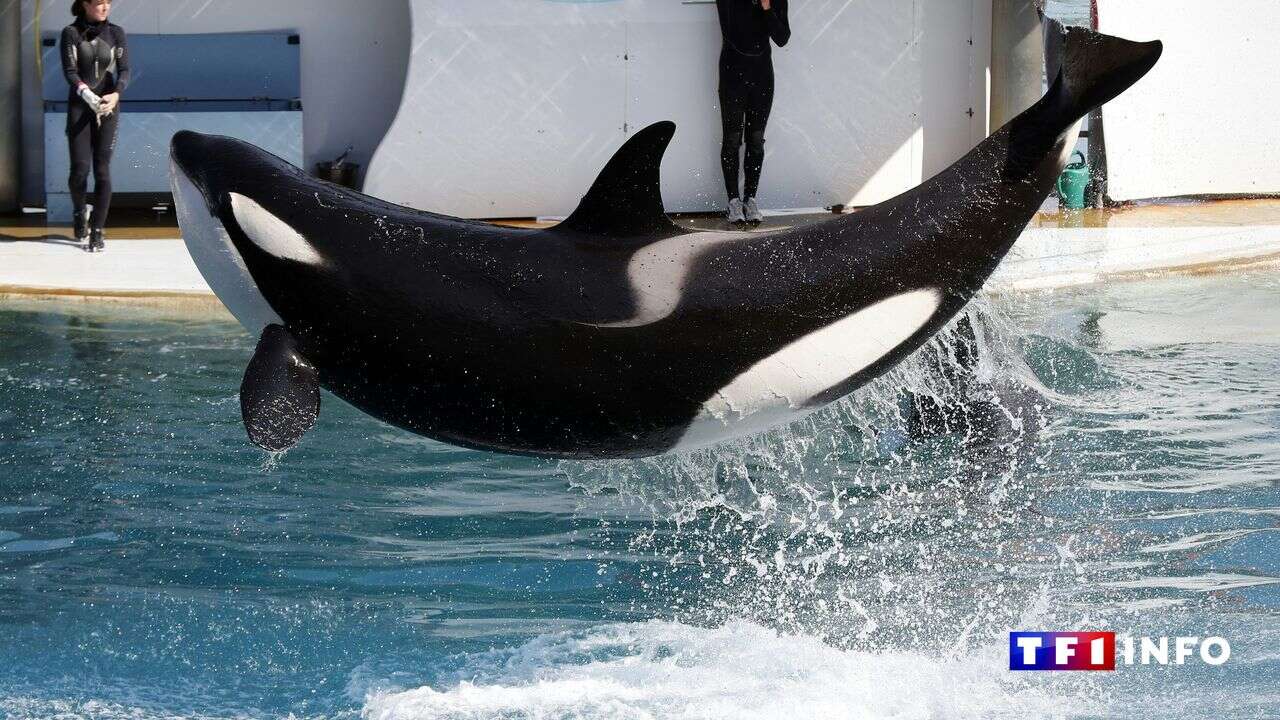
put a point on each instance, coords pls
(354, 63)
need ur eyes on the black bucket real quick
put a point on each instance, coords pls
(344, 174)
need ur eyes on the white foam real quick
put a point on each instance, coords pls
(740, 670)
(1208, 582)
(1201, 539)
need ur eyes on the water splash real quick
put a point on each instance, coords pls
(738, 670)
(825, 526)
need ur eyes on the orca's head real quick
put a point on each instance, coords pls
(231, 199)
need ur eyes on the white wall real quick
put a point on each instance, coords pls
(353, 62)
(1204, 121)
(512, 106)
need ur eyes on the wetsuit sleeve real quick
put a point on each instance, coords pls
(779, 27)
(723, 13)
(122, 60)
(67, 50)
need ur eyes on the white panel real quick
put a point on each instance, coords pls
(835, 133)
(141, 161)
(946, 81)
(672, 55)
(980, 70)
(1204, 120)
(512, 106)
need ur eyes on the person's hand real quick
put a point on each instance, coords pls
(90, 98)
(110, 102)
(764, 4)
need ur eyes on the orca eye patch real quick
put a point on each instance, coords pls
(273, 235)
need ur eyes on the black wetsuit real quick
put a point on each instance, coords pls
(746, 84)
(96, 54)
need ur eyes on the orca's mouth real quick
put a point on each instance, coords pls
(188, 159)
(195, 199)
(204, 162)
(218, 165)
(183, 147)
(191, 197)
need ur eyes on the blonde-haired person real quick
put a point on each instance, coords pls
(95, 61)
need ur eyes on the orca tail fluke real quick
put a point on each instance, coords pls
(1091, 69)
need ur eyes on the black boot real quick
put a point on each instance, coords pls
(96, 243)
(82, 225)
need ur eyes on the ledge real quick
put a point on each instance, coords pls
(1200, 239)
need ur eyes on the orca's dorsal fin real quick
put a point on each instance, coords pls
(626, 200)
(280, 394)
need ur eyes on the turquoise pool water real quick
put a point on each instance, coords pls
(154, 565)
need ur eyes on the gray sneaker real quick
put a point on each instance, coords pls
(81, 229)
(734, 213)
(752, 212)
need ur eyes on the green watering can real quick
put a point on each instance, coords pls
(1073, 181)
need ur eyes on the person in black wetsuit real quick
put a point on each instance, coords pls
(95, 61)
(746, 93)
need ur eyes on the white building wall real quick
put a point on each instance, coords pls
(1204, 121)
(512, 106)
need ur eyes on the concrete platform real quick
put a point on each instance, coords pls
(1048, 258)
(126, 268)
(1083, 247)
(147, 260)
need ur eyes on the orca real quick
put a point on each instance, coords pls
(616, 333)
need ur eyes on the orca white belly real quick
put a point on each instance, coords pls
(779, 388)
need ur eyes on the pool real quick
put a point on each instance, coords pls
(1126, 477)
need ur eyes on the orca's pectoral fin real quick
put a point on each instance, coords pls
(626, 198)
(280, 394)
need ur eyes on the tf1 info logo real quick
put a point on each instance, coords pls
(1098, 651)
